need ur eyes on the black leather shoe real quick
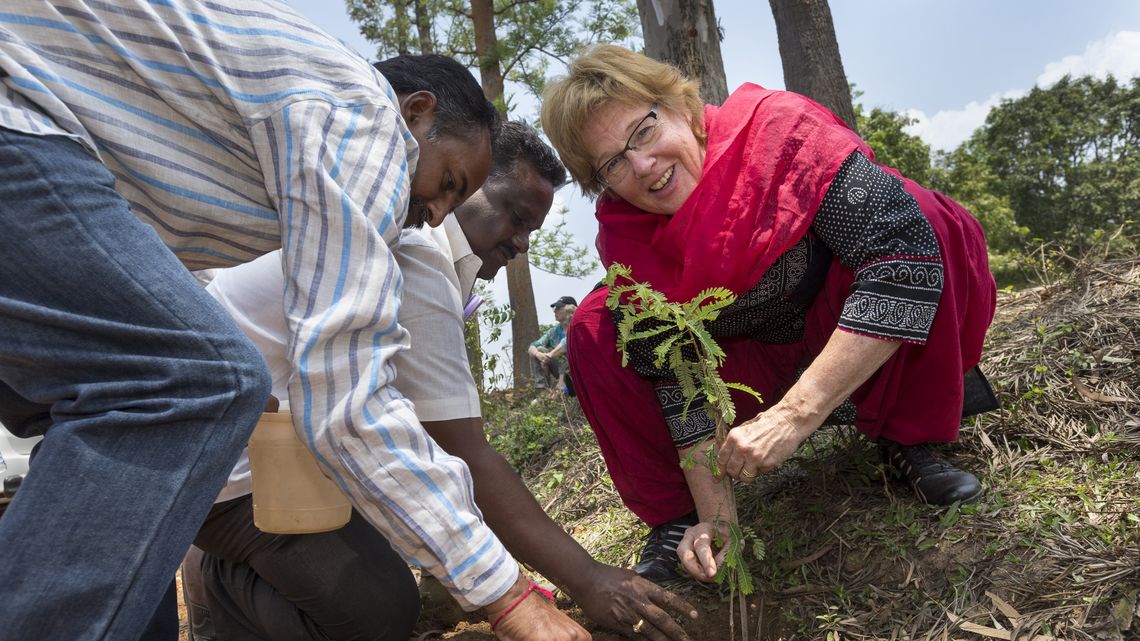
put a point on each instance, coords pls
(934, 479)
(659, 562)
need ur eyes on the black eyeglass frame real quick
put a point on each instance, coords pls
(597, 177)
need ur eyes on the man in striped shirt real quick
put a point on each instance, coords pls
(138, 138)
(246, 580)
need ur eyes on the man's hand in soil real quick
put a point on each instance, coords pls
(535, 618)
(618, 599)
(614, 598)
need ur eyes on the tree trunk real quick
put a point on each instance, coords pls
(400, 9)
(524, 323)
(471, 338)
(685, 34)
(423, 26)
(491, 75)
(810, 55)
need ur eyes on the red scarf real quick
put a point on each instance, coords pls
(769, 160)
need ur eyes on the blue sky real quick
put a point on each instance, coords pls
(944, 62)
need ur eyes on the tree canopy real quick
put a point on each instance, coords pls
(1067, 157)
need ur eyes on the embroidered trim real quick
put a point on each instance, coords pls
(697, 424)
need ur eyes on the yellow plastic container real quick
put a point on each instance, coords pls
(290, 495)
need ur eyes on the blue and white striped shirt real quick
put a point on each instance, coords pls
(235, 128)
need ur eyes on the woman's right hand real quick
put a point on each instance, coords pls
(699, 553)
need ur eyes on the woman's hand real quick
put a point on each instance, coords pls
(763, 444)
(699, 553)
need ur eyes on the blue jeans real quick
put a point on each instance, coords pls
(142, 386)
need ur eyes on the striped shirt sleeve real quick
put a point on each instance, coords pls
(340, 177)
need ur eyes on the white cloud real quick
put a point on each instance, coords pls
(947, 129)
(1117, 54)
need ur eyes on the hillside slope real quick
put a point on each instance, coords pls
(1052, 550)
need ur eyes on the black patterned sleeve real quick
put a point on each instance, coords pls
(876, 230)
(686, 428)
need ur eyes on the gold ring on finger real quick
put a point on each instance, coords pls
(637, 626)
(748, 475)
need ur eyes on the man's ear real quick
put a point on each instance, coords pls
(417, 105)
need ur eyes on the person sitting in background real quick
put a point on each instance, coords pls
(851, 282)
(546, 350)
(248, 580)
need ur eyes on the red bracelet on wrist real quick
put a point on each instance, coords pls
(533, 587)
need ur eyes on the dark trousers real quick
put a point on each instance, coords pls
(339, 585)
(545, 375)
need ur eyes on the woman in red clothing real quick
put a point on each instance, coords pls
(860, 294)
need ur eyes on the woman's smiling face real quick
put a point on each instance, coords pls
(662, 173)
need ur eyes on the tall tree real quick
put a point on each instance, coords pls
(520, 288)
(685, 33)
(885, 132)
(1067, 157)
(810, 55)
(423, 15)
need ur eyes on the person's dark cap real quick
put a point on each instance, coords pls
(563, 302)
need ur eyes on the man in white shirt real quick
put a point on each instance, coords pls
(339, 584)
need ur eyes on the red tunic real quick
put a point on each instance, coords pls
(769, 161)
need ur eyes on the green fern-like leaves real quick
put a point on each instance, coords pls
(682, 326)
(686, 324)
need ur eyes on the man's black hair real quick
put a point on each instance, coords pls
(518, 141)
(461, 107)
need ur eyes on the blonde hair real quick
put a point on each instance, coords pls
(603, 73)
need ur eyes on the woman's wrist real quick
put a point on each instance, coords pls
(709, 493)
(806, 411)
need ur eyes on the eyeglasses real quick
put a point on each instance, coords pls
(644, 135)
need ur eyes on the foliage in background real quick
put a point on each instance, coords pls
(554, 252)
(397, 26)
(959, 175)
(530, 33)
(1058, 166)
(490, 369)
(1067, 158)
(962, 175)
(885, 132)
